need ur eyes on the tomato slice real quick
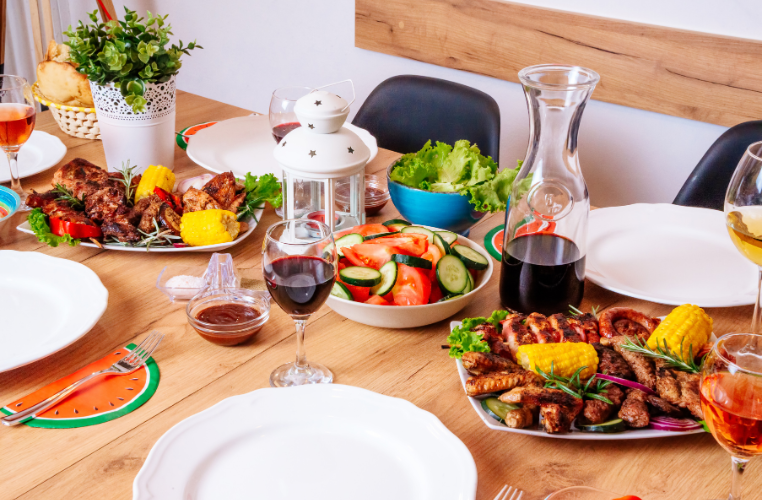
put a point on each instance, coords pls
(364, 230)
(433, 254)
(377, 300)
(408, 244)
(359, 293)
(413, 287)
(366, 255)
(436, 294)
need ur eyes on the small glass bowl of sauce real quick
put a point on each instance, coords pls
(230, 316)
(376, 194)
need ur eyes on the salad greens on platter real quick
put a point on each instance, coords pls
(458, 169)
(462, 339)
(39, 224)
(259, 190)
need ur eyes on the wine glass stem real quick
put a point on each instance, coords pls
(301, 356)
(738, 466)
(15, 182)
(755, 319)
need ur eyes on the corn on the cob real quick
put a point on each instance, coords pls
(566, 358)
(686, 327)
(209, 227)
(155, 176)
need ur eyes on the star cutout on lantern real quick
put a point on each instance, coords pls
(318, 103)
(351, 150)
(311, 125)
(312, 153)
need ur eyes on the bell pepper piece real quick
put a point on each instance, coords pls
(77, 230)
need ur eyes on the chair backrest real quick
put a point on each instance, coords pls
(708, 182)
(405, 111)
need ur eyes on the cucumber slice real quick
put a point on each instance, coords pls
(380, 235)
(452, 274)
(396, 222)
(450, 297)
(388, 279)
(341, 291)
(328, 250)
(441, 244)
(470, 286)
(360, 276)
(471, 258)
(419, 230)
(411, 261)
(347, 241)
(497, 409)
(448, 236)
(616, 425)
(397, 227)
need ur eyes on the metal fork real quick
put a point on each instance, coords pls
(128, 364)
(515, 493)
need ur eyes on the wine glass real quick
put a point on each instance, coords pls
(731, 399)
(299, 266)
(282, 117)
(17, 117)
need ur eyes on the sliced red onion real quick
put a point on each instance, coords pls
(626, 383)
(180, 245)
(674, 424)
(195, 182)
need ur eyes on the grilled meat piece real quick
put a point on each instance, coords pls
(152, 208)
(609, 318)
(169, 219)
(495, 340)
(662, 406)
(479, 363)
(121, 230)
(500, 381)
(689, 389)
(564, 331)
(541, 329)
(39, 200)
(106, 203)
(538, 395)
(667, 385)
(237, 202)
(642, 366)
(53, 207)
(634, 410)
(81, 177)
(557, 419)
(596, 411)
(520, 418)
(612, 363)
(589, 325)
(630, 328)
(224, 189)
(195, 200)
(515, 334)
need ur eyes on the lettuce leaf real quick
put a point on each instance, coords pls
(414, 172)
(39, 224)
(462, 339)
(259, 190)
(493, 195)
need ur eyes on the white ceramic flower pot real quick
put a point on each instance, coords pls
(146, 138)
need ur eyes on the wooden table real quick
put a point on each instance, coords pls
(101, 462)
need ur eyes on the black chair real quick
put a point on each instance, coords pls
(708, 182)
(405, 111)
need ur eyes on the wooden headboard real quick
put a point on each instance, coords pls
(710, 78)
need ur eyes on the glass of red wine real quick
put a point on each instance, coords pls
(299, 267)
(17, 117)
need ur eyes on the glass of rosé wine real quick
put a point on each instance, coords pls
(17, 117)
(731, 399)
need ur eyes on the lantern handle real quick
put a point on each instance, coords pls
(354, 96)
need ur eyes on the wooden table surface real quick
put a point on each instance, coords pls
(100, 462)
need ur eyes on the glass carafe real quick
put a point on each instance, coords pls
(543, 265)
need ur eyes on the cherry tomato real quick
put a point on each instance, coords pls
(413, 287)
(377, 300)
(366, 255)
(408, 244)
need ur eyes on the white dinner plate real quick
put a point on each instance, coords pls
(668, 254)
(47, 303)
(490, 422)
(41, 152)
(246, 144)
(24, 227)
(314, 442)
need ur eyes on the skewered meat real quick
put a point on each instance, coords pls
(479, 363)
(500, 381)
(662, 406)
(596, 411)
(224, 189)
(195, 200)
(689, 389)
(634, 410)
(612, 363)
(608, 318)
(564, 331)
(643, 367)
(538, 325)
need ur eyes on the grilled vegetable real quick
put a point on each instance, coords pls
(78, 230)
(566, 358)
(209, 227)
(684, 331)
(155, 176)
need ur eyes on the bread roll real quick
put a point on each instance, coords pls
(59, 81)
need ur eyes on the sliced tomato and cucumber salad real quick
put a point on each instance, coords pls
(397, 263)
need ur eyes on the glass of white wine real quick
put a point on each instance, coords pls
(743, 213)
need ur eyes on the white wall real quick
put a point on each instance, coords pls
(255, 46)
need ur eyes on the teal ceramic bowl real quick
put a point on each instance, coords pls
(449, 211)
(9, 203)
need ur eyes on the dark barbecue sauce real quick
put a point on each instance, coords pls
(227, 314)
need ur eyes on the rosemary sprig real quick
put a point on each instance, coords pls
(576, 312)
(128, 174)
(158, 238)
(574, 386)
(67, 195)
(671, 358)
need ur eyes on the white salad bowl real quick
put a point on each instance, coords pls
(413, 316)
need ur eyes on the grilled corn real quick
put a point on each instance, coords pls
(209, 227)
(566, 358)
(686, 328)
(155, 176)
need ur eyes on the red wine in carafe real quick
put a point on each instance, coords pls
(542, 273)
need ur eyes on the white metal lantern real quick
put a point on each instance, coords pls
(318, 153)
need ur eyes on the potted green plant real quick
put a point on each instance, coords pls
(132, 70)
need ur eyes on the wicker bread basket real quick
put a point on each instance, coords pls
(73, 120)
